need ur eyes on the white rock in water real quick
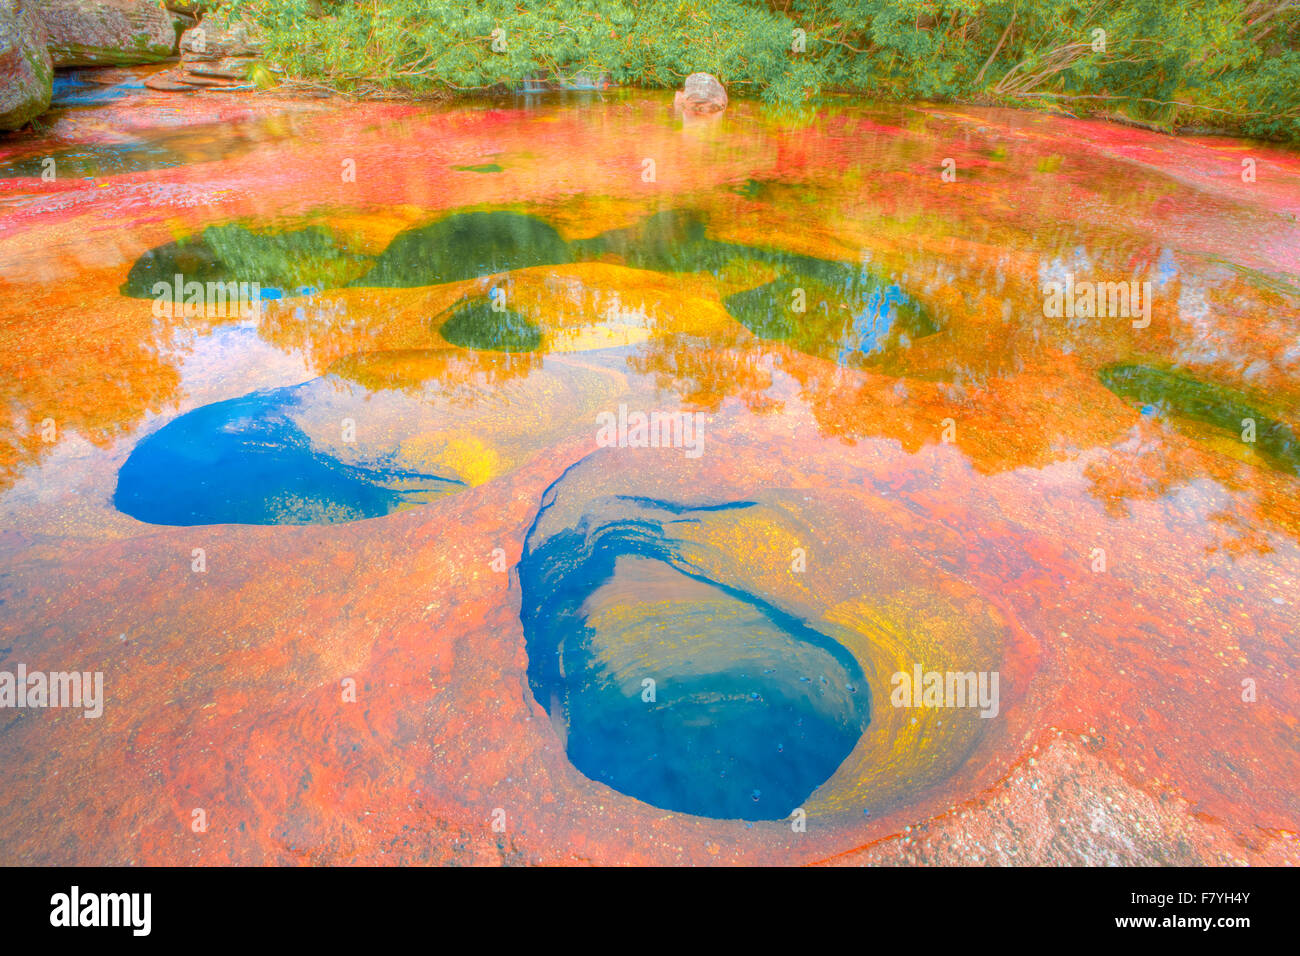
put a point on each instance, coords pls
(702, 93)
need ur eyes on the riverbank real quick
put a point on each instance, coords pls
(1173, 68)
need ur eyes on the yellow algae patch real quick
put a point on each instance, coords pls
(472, 460)
(908, 748)
(583, 216)
(597, 337)
(464, 455)
(776, 546)
(370, 231)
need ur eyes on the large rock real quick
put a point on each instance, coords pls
(216, 38)
(702, 93)
(105, 32)
(215, 55)
(26, 74)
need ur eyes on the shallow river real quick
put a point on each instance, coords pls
(553, 480)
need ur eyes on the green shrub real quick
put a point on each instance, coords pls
(1226, 63)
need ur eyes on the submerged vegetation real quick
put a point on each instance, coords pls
(1231, 64)
(477, 325)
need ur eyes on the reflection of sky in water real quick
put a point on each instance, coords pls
(100, 159)
(72, 89)
(246, 460)
(214, 365)
(1084, 266)
(166, 149)
(873, 322)
(1166, 268)
(856, 303)
(754, 708)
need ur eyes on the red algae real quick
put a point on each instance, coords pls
(975, 498)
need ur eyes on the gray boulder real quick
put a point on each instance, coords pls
(26, 74)
(702, 93)
(105, 32)
(215, 55)
(216, 38)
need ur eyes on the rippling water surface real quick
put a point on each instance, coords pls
(560, 462)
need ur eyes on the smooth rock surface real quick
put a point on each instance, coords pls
(105, 32)
(702, 93)
(970, 555)
(216, 37)
(26, 75)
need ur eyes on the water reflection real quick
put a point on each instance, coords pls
(245, 461)
(812, 278)
(291, 261)
(120, 153)
(674, 687)
(464, 246)
(509, 282)
(943, 452)
(1185, 397)
(478, 325)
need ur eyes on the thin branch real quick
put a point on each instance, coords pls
(996, 49)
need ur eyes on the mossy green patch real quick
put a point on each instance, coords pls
(833, 311)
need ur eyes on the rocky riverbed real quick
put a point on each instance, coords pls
(377, 568)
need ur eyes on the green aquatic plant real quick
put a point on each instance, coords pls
(466, 245)
(309, 257)
(831, 310)
(674, 240)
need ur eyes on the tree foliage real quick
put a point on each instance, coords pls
(1221, 63)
